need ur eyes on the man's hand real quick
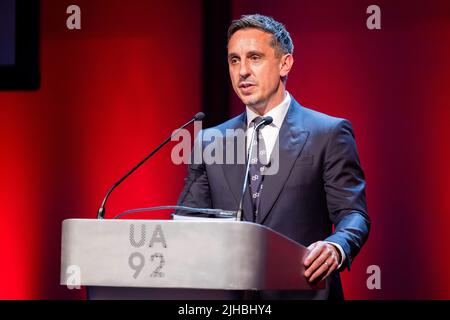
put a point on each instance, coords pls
(321, 261)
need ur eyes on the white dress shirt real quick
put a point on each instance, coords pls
(270, 135)
(271, 131)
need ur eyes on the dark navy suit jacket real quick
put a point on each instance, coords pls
(319, 184)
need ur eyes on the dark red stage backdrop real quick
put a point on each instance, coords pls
(113, 90)
(110, 93)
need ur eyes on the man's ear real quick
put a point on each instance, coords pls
(286, 64)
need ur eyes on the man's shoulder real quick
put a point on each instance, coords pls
(315, 116)
(316, 120)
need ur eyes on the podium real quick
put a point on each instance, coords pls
(168, 259)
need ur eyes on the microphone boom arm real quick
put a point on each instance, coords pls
(101, 210)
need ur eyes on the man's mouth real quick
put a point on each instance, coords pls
(246, 85)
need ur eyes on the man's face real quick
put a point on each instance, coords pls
(255, 69)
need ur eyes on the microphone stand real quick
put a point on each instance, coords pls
(101, 210)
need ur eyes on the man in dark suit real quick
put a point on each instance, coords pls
(306, 177)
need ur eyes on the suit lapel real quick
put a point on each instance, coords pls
(291, 140)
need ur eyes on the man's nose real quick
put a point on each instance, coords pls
(244, 70)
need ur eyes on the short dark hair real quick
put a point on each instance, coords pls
(281, 38)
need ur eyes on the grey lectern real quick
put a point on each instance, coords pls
(167, 259)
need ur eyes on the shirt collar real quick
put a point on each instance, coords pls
(278, 113)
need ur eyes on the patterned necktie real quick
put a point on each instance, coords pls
(258, 160)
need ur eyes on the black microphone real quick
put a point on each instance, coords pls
(266, 121)
(101, 211)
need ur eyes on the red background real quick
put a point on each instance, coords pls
(113, 90)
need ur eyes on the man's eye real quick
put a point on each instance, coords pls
(233, 60)
(255, 57)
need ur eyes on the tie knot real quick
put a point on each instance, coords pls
(257, 120)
